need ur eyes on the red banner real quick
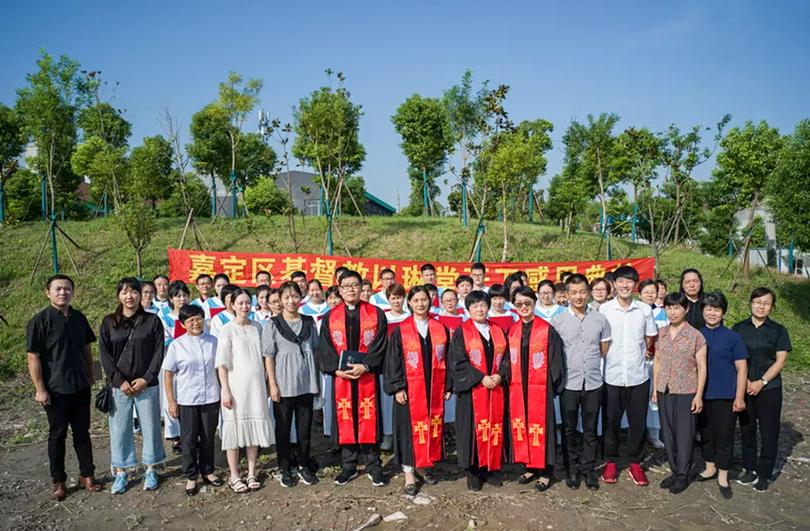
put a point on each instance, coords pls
(241, 268)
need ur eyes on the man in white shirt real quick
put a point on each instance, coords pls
(478, 272)
(633, 332)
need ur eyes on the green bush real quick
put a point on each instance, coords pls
(199, 197)
(265, 197)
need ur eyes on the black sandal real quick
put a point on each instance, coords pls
(525, 479)
(216, 482)
(192, 491)
(410, 489)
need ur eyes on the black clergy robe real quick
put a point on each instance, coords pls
(329, 358)
(395, 380)
(465, 379)
(555, 384)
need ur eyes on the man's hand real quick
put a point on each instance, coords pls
(487, 382)
(42, 398)
(346, 375)
(137, 385)
(174, 410)
(447, 396)
(402, 397)
(358, 369)
(126, 388)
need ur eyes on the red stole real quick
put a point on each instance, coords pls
(216, 311)
(427, 419)
(504, 321)
(366, 384)
(487, 405)
(450, 321)
(179, 329)
(529, 446)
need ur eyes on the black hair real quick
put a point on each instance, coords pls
(560, 287)
(237, 292)
(221, 276)
(477, 296)
(315, 281)
(545, 282)
(366, 282)
(498, 290)
(395, 289)
(387, 270)
(431, 287)
(761, 292)
(427, 267)
(565, 274)
(339, 272)
(610, 276)
(525, 291)
(332, 290)
(261, 289)
(448, 290)
(676, 298)
(298, 274)
(715, 299)
(648, 282)
(289, 285)
(149, 283)
(59, 277)
(601, 280)
(190, 310)
(161, 276)
(511, 279)
(625, 271)
(478, 265)
(660, 282)
(264, 272)
(464, 278)
(226, 290)
(695, 271)
(576, 278)
(523, 276)
(133, 284)
(350, 274)
(177, 286)
(202, 276)
(418, 289)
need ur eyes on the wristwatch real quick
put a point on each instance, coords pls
(365, 366)
(764, 382)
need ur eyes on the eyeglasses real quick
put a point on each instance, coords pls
(761, 304)
(350, 286)
(194, 320)
(523, 304)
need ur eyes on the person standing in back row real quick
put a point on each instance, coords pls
(60, 363)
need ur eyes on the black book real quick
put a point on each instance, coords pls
(349, 356)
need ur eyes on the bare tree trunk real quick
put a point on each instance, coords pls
(138, 261)
(748, 229)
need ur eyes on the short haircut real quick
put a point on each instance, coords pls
(348, 273)
(261, 289)
(761, 292)
(478, 266)
(316, 282)
(222, 276)
(148, 284)
(676, 298)
(645, 283)
(175, 288)
(298, 274)
(464, 278)
(714, 299)
(164, 277)
(226, 290)
(512, 278)
(660, 282)
(600, 280)
(696, 272)
(395, 289)
(525, 291)
(498, 290)
(449, 290)
(565, 274)
(560, 287)
(427, 267)
(576, 278)
(545, 282)
(59, 277)
(289, 285)
(387, 270)
(203, 276)
(628, 272)
(477, 296)
(190, 310)
(432, 287)
(263, 272)
(366, 282)
(418, 289)
(332, 291)
(610, 276)
(339, 271)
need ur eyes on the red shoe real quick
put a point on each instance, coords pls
(610, 474)
(637, 475)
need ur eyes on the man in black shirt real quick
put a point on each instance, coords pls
(60, 362)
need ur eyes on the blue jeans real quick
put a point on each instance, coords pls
(122, 438)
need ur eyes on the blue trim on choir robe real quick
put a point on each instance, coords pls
(200, 303)
(548, 314)
(262, 318)
(161, 304)
(380, 301)
(153, 309)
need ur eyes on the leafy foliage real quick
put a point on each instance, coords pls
(265, 197)
(789, 188)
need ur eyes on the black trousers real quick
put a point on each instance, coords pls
(677, 430)
(717, 436)
(69, 410)
(368, 454)
(197, 427)
(579, 449)
(300, 407)
(634, 401)
(763, 412)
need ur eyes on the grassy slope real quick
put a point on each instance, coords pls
(110, 257)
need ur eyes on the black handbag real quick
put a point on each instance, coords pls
(104, 395)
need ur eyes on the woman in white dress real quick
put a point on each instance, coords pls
(246, 417)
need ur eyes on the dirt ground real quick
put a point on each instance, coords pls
(24, 488)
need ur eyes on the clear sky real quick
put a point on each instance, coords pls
(653, 63)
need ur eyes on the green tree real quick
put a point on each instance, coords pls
(48, 108)
(788, 189)
(426, 140)
(104, 164)
(150, 166)
(23, 195)
(255, 159)
(717, 230)
(327, 127)
(106, 122)
(466, 111)
(137, 220)
(11, 146)
(237, 100)
(210, 143)
(514, 159)
(264, 196)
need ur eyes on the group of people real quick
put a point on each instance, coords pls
(515, 372)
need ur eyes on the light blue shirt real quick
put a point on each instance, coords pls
(547, 314)
(192, 360)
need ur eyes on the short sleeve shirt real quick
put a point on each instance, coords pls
(59, 342)
(763, 343)
(677, 359)
(192, 359)
(625, 361)
(582, 339)
(723, 348)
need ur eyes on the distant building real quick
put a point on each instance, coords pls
(778, 255)
(307, 195)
